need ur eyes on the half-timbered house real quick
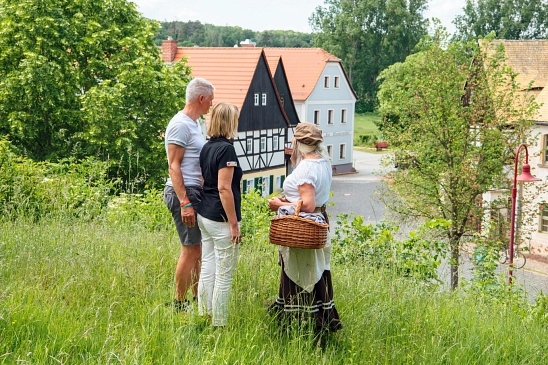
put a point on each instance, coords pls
(241, 76)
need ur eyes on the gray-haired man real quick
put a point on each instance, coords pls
(183, 191)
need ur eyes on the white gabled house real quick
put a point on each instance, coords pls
(323, 95)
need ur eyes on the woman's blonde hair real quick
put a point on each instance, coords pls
(300, 150)
(224, 121)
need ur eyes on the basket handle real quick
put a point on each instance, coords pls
(298, 209)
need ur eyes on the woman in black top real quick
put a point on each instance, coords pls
(219, 214)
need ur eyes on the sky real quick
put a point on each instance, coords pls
(259, 15)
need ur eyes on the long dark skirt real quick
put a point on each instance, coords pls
(317, 306)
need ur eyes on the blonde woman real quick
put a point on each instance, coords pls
(305, 282)
(219, 214)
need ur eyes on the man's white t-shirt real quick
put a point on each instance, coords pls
(186, 133)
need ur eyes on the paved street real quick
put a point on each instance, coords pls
(356, 193)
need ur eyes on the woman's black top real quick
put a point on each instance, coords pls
(216, 154)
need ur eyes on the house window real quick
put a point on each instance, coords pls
(263, 101)
(330, 151)
(263, 144)
(249, 145)
(342, 151)
(316, 117)
(275, 143)
(256, 99)
(250, 183)
(278, 182)
(266, 186)
(330, 116)
(336, 82)
(326, 82)
(343, 116)
(543, 226)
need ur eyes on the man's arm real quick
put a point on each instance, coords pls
(175, 155)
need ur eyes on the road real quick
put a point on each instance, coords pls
(357, 193)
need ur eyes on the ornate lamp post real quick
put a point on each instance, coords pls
(525, 176)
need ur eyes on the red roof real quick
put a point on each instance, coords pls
(229, 69)
(303, 67)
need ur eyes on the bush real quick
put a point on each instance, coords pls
(486, 282)
(36, 189)
(418, 256)
(256, 216)
(366, 139)
(146, 211)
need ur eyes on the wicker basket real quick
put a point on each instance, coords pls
(298, 232)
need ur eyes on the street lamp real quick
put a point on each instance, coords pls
(525, 176)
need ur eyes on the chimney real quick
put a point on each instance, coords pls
(169, 49)
(247, 43)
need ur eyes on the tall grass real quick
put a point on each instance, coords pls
(74, 292)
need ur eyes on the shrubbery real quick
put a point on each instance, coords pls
(375, 245)
(39, 189)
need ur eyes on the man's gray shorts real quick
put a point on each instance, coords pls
(188, 236)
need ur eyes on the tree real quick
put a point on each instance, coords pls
(508, 19)
(207, 35)
(368, 35)
(460, 116)
(83, 78)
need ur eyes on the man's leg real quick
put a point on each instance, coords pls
(187, 273)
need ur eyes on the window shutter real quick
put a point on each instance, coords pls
(271, 185)
(244, 186)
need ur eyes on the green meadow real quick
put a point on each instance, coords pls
(365, 130)
(85, 275)
(93, 293)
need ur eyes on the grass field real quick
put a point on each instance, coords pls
(364, 124)
(94, 293)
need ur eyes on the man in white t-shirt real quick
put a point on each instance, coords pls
(183, 142)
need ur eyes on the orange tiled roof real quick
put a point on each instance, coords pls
(303, 67)
(528, 58)
(229, 69)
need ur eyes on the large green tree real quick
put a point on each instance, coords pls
(369, 35)
(508, 19)
(84, 78)
(460, 116)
